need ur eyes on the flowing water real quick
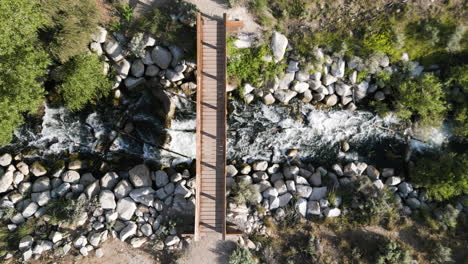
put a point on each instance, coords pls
(256, 131)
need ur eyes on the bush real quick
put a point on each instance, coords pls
(392, 252)
(241, 256)
(244, 191)
(83, 81)
(67, 211)
(442, 254)
(23, 64)
(444, 176)
(70, 26)
(457, 82)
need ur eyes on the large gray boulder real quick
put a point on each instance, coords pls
(286, 81)
(284, 96)
(161, 57)
(107, 200)
(5, 160)
(138, 68)
(301, 206)
(123, 68)
(6, 179)
(30, 209)
(338, 68)
(140, 176)
(122, 189)
(41, 184)
(361, 90)
(114, 50)
(128, 231)
(38, 169)
(161, 178)
(126, 208)
(279, 43)
(99, 35)
(313, 208)
(342, 89)
(303, 190)
(177, 54)
(71, 176)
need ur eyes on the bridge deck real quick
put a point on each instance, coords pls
(211, 126)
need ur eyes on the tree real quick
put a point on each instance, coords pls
(23, 63)
(83, 81)
(444, 176)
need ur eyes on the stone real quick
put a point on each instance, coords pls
(171, 241)
(270, 192)
(279, 42)
(300, 87)
(151, 71)
(286, 81)
(318, 193)
(387, 172)
(109, 180)
(350, 170)
(405, 188)
(5, 160)
(304, 190)
(274, 203)
(123, 68)
(293, 66)
(301, 206)
(353, 77)
(41, 184)
(114, 50)
(338, 169)
(26, 243)
(316, 179)
(122, 189)
(80, 242)
(27, 255)
(87, 178)
(413, 203)
(71, 176)
(37, 169)
(161, 178)
(17, 219)
(284, 199)
(174, 76)
(161, 57)
(379, 96)
(342, 89)
(140, 176)
(23, 168)
(138, 68)
(99, 35)
(231, 171)
(300, 180)
(269, 99)
(137, 242)
(56, 236)
(107, 200)
(379, 184)
(144, 195)
(129, 230)
(126, 208)
(302, 76)
(328, 79)
(92, 189)
(131, 82)
(177, 54)
(41, 198)
(392, 181)
(30, 209)
(338, 68)
(6, 179)
(313, 208)
(280, 186)
(182, 190)
(307, 97)
(260, 165)
(331, 100)
(147, 230)
(361, 90)
(84, 251)
(284, 96)
(372, 172)
(332, 212)
(94, 239)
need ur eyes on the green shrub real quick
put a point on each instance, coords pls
(23, 64)
(444, 176)
(67, 211)
(244, 191)
(70, 26)
(457, 83)
(83, 81)
(241, 256)
(392, 252)
(441, 254)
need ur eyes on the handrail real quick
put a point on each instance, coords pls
(198, 128)
(224, 125)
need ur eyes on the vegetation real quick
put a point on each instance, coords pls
(22, 64)
(444, 176)
(392, 252)
(457, 86)
(241, 255)
(69, 27)
(67, 211)
(244, 192)
(83, 81)
(247, 65)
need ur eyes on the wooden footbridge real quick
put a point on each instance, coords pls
(210, 211)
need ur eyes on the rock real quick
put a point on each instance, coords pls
(182, 190)
(56, 237)
(139, 42)
(171, 241)
(413, 203)
(126, 208)
(87, 178)
(353, 77)
(80, 242)
(37, 169)
(109, 180)
(99, 253)
(249, 98)
(6, 179)
(268, 99)
(123, 68)
(379, 96)
(318, 193)
(161, 178)
(138, 68)
(99, 35)
(5, 160)
(107, 199)
(372, 172)
(284, 96)
(151, 71)
(350, 170)
(313, 208)
(342, 89)
(23, 168)
(113, 50)
(274, 203)
(301, 206)
(26, 243)
(301, 87)
(177, 54)
(280, 186)
(361, 91)
(174, 76)
(92, 189)
(140, 176)
(138, 242)
(392, 181)
(303, 190)
(161, 57)
(307, 97)
(132, 82)
(328, 79)
(30, 209)
(316, 179)
(94, 239)
(128, 231)
(71, 176)
(379, 184)
(338, 169)
(279, 42)
(331, 100)
(338, 68)
(405, 188)
(146, 230)
(122, 189)
(260, 165)
(302, 76)
(27, 255)
(284, 199)
(293, 66)
(332, 212)
(270, 192)
(144, 195)
(41, 198)
(247, 89)
(387, 172)
(286, 81)
(231, 171)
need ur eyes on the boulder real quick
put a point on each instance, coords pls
(301, 206)
(350, 170)
(151, 70)
(316, 179)
(260, 165)
(137, 242)
(37, 169)
(128, 231)
(342, 89)
(123, 68)
(293, 66)
(284, 199)
(171, 241)
(372, 172)
(413, 203)
(328, 79)
(284, 96)
(113, 50)
(5, 160)
(313, 208)
(92, 189)
(122, 189)
(331, 100)
(138, 68)
(300, 87)
(379, 184)
(360, 91)
(161, 57)
(161, 178)
(140, 176)
(279, 42)
(41, 198)
(107, 200)
(280, 186)
(41, 184)
(99, 35)
(303, 190)
(270, 192)
(338, 68)
(131, 82)
(274, 203)
(286, 81)
(6, 179)
(177, 54)
(405, 188)
(268, 99)
(392, 181)
(23, 168)
(71, 176)
(174, 76)
(332, 212)
(126, 208)
(30, 209)
(307, 97)
(26, 243)
(318, 193)
(109, 180)
(302, 76)
(231, 171)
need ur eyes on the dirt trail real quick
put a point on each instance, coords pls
(210, 249)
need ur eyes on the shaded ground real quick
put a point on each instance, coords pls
(209, 250)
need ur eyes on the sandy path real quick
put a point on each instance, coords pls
(209, 250)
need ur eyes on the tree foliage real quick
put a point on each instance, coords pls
(83, 81)
(443, 176)
(392, 252)
(70, 25)
(241, 256)
(23, 63)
